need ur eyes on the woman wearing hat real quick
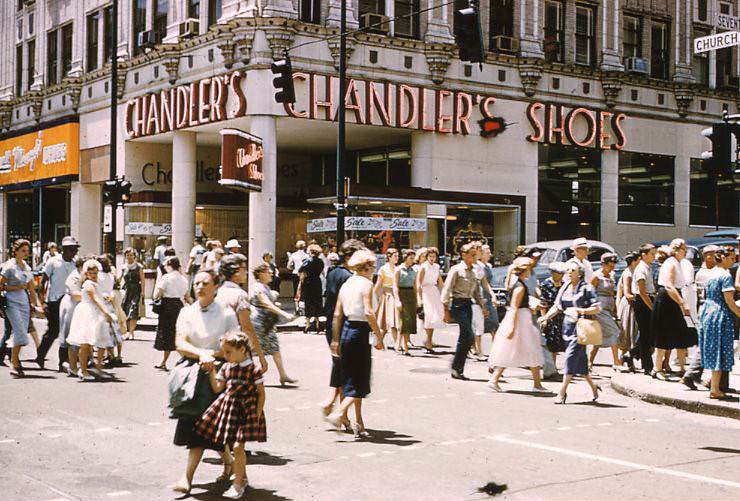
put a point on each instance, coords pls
(580, 256)
(517, 341)
(548, 292)
(603, 283)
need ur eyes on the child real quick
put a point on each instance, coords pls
(236, 416)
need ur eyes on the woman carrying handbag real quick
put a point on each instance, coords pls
(578, 303)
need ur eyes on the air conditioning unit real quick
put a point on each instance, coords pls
(637, 65)
(189, 28)
(146, 39)
(503, 43)
(28, 3)
(375, 23)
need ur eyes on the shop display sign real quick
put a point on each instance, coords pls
(241, 160)
(359, 223)
(203, 102)
(154, 229)
(583, 127)
(389, 104)
(47, 153)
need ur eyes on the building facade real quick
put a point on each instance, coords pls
(603, 101)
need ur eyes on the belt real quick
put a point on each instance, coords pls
(462, 300)
(406, 288)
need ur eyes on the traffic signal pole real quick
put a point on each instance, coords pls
(113, 123)
(341, 127)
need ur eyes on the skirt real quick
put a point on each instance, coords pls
(576, 362)
(131, 302)
(522, 350)
(667, 325)
(19, 316)
(168, 312)
(434, 312)
(387, 313)
(626, 316)
(610, 331)
(66, 311)
(490, 323)
(355, 359)
(478, 321)
(311, 294)
(89, 326)
(408, 310)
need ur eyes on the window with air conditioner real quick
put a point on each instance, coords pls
(139, 23)
(585, 35)
(406, 13)
(554, 31)
(372, 13)
(631, 37)
(501, 26)
(660, 50)
(310, 11)
(160, 20)
(700, 62)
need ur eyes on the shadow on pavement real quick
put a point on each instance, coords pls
(389, 437)
(549, 394)
(32, 376)
(721, 449)
(601, 405)
(267, 459)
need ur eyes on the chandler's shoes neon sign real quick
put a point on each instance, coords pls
(581, 127)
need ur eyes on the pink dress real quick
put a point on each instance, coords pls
(523, 349)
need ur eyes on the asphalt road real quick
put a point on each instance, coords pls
(433, 438)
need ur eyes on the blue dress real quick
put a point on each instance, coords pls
(717, 324)
(576, 362)
(491, 322)
(18, 309)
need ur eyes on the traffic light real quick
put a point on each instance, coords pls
(283, 82)
(116, 191)
(721, 158)
(468, 35)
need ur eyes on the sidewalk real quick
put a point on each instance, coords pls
(677, 395)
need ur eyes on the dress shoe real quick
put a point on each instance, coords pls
(458, 375)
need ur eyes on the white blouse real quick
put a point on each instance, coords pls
(351, 295)
(173, 285)
(665, 272)
(205, 326)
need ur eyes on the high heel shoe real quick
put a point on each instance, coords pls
(360, 432)
(17, 371)
(561, 400)
(287, 380)
(597, 389)
(347, 425)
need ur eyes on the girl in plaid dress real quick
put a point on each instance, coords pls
(236, 416)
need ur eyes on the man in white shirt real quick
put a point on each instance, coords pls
(56, 271)
(195, 259)
(295, 261)
(580, 251)
(158, 255)
(643, 288)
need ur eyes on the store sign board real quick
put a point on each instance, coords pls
(154, 229)
(359, 223)
(203, 102)
(582, 127)
(727, 22)
(389, 104)
(45, 154)
(241, 160)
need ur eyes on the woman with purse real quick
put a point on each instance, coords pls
(199, 329)
(578, 302)
(603, 284)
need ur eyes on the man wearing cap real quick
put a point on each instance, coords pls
(580, 251)
(53, 288)
(158, 255)
(460, 289)
(233, 247)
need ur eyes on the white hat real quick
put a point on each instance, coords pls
(333, 256)
(579, 242)
(70, 242)
(233, 243)
(361, 257)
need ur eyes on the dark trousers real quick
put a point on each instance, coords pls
(462, 312)
(643, 343)
(52, 333)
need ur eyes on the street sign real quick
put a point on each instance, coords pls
(727, 22)
(107, 218)
(716, 41)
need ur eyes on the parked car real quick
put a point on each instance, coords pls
(556, 250)
(727, 233)
(695, 246)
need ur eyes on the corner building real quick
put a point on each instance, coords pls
(604, 103)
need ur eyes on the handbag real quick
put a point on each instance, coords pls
(190, 391)
(157, 306)
(588, 331)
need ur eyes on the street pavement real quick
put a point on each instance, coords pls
(433, 438)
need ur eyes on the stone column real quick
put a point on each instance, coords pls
(238, 8)
(3, 226)
(610, 197)
(682, 187)
(262, 204)
(39, 81)
(183, 192)
(610, 27)
(86, 219)
(439, 29)
(78, 40)
(681, 31)
(422, 159)
(531, 21)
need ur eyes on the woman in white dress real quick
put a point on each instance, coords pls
(429, 285)
(386, 290)
(91, 323)
(106, 286)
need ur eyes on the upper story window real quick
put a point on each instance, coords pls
(310, 11)
(214, 11)
(19, 70)
(93, 37)
(67, 32)
(139, 22)
(632, 37)
(501, 26)
(370, 12)
(554, 31)
(725, 8)
(700, 62)
(702, 10)
(52, 57)
(31, 50)
(407, 22)
(193, 9)
(160, 20)
(726, 71)
(107, 33)
(585, 35)
(659, 52)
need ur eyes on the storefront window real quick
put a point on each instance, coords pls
(387, 167)
(646, 186)
(569, 201)
(702, 199)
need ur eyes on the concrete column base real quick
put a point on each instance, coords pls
(262, 205)
(183, 192)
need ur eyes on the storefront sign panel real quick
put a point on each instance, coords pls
(48, 153)
(389, 104)
(203, 102)
(358, 223)
(154, 229)
(241, 160)
(582, 127)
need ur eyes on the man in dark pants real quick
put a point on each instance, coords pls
(643, 288)
(53, 288)
(461, 287)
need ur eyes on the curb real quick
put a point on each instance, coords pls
(698, 407)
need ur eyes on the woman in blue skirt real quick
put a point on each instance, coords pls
(16, 280)
(575, 300)
(717, 321)
(354, 318)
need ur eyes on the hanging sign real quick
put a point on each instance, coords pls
(154, 229)
(716, 41)
(357, 223)
(241, 160)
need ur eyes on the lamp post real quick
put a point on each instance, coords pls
(113, 122)
(341, 136)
